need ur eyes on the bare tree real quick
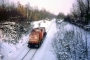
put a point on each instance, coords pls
(61, 15)
(81, 10)
(87, 11)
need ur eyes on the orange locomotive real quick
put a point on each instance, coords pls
(36, 37)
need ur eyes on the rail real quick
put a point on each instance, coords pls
(36, 49)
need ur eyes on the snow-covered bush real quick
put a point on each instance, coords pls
(69, 44)
(12, 31)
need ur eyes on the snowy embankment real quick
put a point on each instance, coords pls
(9, 51)
(71, 43)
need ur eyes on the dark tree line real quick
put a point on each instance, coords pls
(60, 16)
(80, 12)
(18, 12)
(21, 16)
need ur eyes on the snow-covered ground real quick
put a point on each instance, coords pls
(71, 42)
(10, 51)
(45, 52)
(43, 48)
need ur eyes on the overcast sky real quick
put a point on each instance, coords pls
(53, 6)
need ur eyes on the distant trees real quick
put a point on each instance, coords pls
(21, 12)
(20, 9)
(81, 11)
(21, 15)
(61, 15)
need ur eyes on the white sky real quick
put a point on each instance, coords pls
(53, 6)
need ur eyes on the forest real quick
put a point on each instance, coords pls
(16, 12)
(80, 13)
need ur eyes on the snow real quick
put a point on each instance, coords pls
(41, 49)
(42, 24)
(11, 51)
(43, 52)
(73, 38)
(22, 54)
(30, 54)
(17, 52)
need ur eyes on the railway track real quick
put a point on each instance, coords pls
(49, 27)
(31, 52)
(33, 55)
(26, 54)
